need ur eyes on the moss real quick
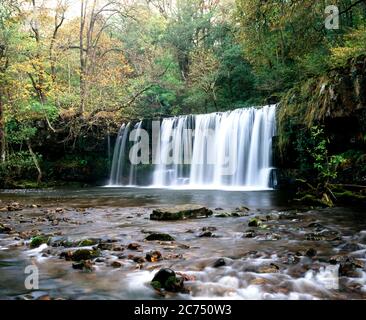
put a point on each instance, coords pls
(311, 200)
(87, 243)
(37, 241)
(349, 197)
(156, 285)
(254, 222)
(159, 237)
(170, 283)
(85, 254)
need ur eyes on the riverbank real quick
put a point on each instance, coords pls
(254, 246)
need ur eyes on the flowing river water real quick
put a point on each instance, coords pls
(294, 254)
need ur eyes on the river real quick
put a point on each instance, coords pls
(293, 254)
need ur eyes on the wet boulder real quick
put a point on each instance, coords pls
(311, 253)
(250, 234)
(206, 234)
(15, 206)
(153, 256)
(254, 223)
(60, 241)
(348, 268)
(180, 213)
(219, 263)
(88, 242)
(347, 265)
(116, 264)
(4, 229)
(272, 268)
(134, 246)
(80, 254)
(85, 265)
(168, 280)
(37, 241)
(159, 237)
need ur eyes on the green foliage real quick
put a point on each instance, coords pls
(353, 46)
(325, 165)
(49, 110)
(19, 133)
(18, 166)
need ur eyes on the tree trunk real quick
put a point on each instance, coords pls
(2, 129)
(82, 57)
(36, 163)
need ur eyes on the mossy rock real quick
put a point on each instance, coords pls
(4, 229)
(168, 280)
(349, 197)
(159, 237)
(180, 213)
(254, 222)
(312, 200)
(88, 242)
(38, 240)
(156, 285)
(85, 254)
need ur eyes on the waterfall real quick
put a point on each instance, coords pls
(119, 156)
(219, 150)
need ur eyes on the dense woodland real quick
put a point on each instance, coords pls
(73, 71)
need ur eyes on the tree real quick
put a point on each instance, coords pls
(203, 75)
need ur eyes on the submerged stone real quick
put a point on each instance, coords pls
(311, 253)
(181, 213)
(219, 263)
(4, 229)
(254, 222)
(159, 237)
(86, 265)
(81, 254)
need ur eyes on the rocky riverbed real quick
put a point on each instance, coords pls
(112, 252)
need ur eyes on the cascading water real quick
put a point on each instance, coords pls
(213, 151)
(119, 156)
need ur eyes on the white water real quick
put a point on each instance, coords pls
(230, 150)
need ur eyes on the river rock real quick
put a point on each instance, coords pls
(272, 268)
(348, 268)
(153, 256)
(219, 263)
(4, 229)
(15, 206)
(37, 241)
(249, 234)
(269, 236)
(254, 222)
(289, 215)
(311, 253)
(116, 264)
(88, 242)
(134, 246)
(81, 254)
(350, 247)
(181, 213)
(328, 235)
(86, 265)
(60, 241)
(136, 259)
(159, 237)
(167, 279)
(206, 234)
(209, 229)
